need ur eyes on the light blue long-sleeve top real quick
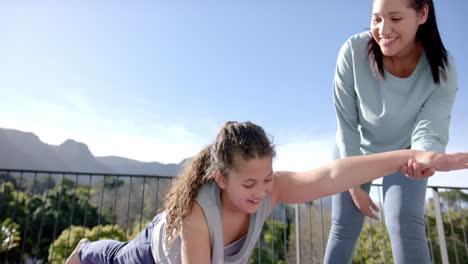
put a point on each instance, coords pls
(377, 115)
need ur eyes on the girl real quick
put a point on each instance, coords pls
(215, 210)
(394, 88)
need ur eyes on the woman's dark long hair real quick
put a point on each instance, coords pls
(428, 34)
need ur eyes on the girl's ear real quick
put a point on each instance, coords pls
(220, 180)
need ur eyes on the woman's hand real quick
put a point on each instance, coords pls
(363, 202)
(414, 169)
(427, 163)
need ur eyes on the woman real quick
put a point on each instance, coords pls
(394, 88)
(215, 210)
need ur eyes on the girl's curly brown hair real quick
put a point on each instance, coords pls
(234, 138)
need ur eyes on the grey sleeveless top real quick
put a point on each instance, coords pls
(236, 253)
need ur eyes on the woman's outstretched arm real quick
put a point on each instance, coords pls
(342, 174)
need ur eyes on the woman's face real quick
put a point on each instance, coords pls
(248, 183)
(394, 25)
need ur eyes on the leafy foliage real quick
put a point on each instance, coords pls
(9, 235)
(40, 217)
(374, 245)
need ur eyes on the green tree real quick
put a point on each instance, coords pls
(13, 207)
(373, 245)
(271, 244)
(109, 183)
(7, 177)
(454, 215)
(136, 228)
(42, 217)
(9, 236)
(261, 255)
(455, 198)
(66, 204)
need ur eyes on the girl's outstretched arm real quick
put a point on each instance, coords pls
(342, 174)
(195, 237)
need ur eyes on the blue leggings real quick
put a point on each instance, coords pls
(137, 250)
(404, 216)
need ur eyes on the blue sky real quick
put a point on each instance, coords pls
(154, 80)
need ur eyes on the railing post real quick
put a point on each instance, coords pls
(440, 227)
(298, 243)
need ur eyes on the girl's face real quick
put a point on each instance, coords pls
(247, 184)
(394, 25)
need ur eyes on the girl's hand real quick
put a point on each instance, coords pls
(442, 162)
(363, 202)
(449, 162)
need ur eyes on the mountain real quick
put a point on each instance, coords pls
(129, 166)
(78, 157)
(24, 150)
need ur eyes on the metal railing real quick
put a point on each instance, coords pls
(45, 213)
(446, 229)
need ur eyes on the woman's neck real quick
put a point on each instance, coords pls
(403, 65)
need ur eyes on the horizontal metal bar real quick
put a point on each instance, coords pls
(86, 173)
(434, 187)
